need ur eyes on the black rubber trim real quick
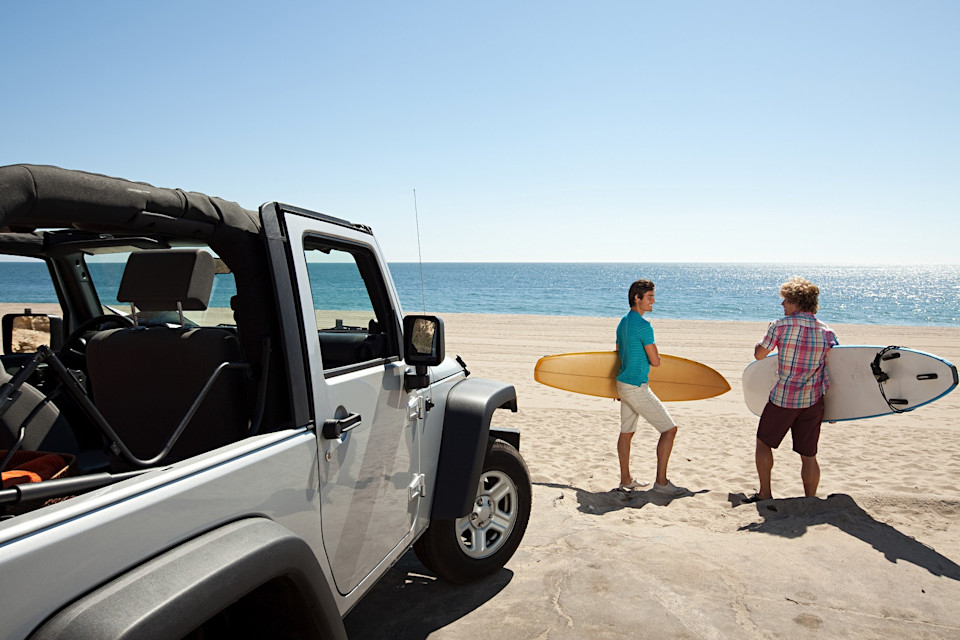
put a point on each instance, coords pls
(174, 593)
(325, 218)
(294, 345)
(466, 426)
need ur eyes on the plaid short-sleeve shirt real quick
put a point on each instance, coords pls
(802, 342)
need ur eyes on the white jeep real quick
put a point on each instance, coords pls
(231, 429)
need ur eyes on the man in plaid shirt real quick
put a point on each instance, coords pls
(796, 401)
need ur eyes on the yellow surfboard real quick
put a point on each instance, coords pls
(594, 374)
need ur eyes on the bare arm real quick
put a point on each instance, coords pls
(759, 353)
(653, 355)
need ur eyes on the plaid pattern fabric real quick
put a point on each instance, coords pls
(802, 342)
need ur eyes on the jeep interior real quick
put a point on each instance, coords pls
(138, 369)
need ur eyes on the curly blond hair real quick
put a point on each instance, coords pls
(802, 293)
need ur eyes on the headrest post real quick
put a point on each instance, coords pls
(180, 311)
(133, 312)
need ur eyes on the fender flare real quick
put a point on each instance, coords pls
(466, 427)
(174, 593)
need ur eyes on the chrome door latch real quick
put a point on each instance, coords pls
(415, 408)
(416, 487)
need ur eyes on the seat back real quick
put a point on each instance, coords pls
(145, 379)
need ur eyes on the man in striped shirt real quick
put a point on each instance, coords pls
(638, 352)
(796, 401)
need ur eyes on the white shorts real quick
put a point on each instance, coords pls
(640, 401)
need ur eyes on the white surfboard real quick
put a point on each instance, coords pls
(913, 379)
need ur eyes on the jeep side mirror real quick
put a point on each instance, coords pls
(423, 344)
(25, 332)
(422, 347)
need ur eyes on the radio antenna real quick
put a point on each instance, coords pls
(416, 215)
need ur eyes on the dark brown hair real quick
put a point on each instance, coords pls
(639, 288)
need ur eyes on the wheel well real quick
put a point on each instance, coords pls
(275, 609)
(216, 581)
(508, 434)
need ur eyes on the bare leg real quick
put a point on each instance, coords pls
(810, 474)
(664, 447)
(764, 469)
(623, 452)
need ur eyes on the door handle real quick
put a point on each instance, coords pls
(333, 428)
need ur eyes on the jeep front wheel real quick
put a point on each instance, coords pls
(465, 549)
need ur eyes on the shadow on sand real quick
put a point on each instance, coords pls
(791, 517)
(409, 602)
(599, 503)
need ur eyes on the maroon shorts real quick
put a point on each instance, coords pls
(805, 424)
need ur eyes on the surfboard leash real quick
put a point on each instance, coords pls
(882, 376)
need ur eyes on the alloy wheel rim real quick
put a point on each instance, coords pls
(485, 530)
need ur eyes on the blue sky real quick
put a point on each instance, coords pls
(622, 131)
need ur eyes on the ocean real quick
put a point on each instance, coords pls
(917, 295)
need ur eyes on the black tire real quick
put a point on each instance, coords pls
(461, 550)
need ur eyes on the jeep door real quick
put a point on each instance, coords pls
(367, 428)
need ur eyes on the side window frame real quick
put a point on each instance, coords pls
(376, 288)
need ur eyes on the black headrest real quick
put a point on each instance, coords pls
(158, 280)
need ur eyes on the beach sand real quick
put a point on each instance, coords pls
(875, 555)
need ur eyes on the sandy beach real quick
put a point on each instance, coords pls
(875, 555)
